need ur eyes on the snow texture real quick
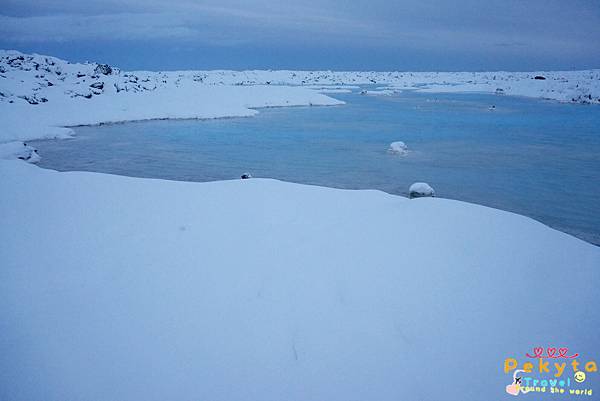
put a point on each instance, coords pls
(117, 288)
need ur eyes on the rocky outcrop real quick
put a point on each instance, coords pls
(104, 69)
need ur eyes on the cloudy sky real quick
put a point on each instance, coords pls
(310, 34)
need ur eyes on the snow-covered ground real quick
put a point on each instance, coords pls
(122, 288)
(116, 288)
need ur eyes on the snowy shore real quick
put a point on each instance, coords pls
(138, 289)
(41, 95)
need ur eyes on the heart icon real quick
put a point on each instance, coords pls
(551, 352)
(537, 352)
(513, 389)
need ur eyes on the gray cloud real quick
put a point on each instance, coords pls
(536, 27)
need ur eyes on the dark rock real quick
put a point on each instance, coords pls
(103, 69)
(97, 85)
(539, 77)
(29, 99)
(246, 176)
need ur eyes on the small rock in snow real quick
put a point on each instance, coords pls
(245, 176)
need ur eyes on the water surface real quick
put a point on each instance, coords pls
(533, 157)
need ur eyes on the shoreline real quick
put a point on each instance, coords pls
(113, 287)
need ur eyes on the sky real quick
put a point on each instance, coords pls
(405, 35)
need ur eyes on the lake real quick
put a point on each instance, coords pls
(533, 157)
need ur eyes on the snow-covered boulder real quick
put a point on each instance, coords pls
(420, 190)
(398, 147)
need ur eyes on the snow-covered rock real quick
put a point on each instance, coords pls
(420, 190)
(398, 147)
(104, 69)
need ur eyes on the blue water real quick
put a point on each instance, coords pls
(533, 157)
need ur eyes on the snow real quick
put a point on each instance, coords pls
(398, 147)
(332, 91)
(123, 288)
(124, 97)
(420, 189)
(69, 94)
(19, 150)
(118, 288)
(382, 92)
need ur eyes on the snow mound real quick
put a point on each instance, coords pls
(382, 92)
(19, 150)
(398, 147)
(420, 190)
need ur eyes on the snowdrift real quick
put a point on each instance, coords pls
(121, 288)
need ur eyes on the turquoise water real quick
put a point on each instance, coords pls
(533, 157)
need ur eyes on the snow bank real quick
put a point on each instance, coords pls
(40, 96)
(115, 288)
(383, 92)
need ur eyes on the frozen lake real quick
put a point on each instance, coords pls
(532, 157)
